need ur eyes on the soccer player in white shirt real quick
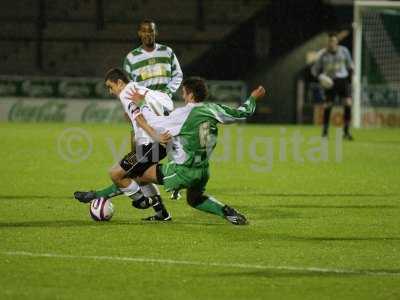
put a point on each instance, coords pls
(148, 151)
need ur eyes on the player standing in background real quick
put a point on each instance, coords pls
(153, 65)
(335, 63)
(194, 135)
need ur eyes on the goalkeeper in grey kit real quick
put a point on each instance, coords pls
(334, 69)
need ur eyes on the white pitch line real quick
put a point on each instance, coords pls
(206, 264)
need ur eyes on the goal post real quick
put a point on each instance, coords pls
(376, 51)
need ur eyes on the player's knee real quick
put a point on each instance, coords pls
(194, 198)
(112, 174)
(115, 174)
(193, 202)
(348, 101)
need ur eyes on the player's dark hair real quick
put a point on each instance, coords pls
(115, 74)
(332, 34)
(147, 21)
(197, 86)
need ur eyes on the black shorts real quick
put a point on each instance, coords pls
(137, 162)
(341, 88)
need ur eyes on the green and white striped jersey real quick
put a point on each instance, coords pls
(157, 70)
(194, 129)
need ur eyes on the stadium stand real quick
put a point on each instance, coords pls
(84, 38)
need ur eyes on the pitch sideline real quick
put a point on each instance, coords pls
(206, 264)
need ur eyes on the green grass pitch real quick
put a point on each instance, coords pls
(324, 223)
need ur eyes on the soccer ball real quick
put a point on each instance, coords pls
(325, 81)
(101, 209)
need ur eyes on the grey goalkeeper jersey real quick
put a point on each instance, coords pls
(155, 102)
(333, 64)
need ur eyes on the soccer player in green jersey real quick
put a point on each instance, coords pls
(153, 65)
(193, 129)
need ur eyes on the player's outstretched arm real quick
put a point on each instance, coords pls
(176, 76)
(226, 114)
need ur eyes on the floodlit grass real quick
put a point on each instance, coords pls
(324, 222)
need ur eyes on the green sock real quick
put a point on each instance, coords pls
(211, 205)
(109, 192)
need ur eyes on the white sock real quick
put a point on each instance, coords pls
(132, 191)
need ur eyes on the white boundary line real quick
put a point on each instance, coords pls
(206, 264)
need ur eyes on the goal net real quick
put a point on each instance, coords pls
(376, 50)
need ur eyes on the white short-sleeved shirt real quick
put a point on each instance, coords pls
(155, 103)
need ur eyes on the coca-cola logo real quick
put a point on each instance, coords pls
(117, 115)
(75, 89)
(8, 88)
(40, 88)
(50, 111)
(95, 113)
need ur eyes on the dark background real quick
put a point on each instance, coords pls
(256, 41)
